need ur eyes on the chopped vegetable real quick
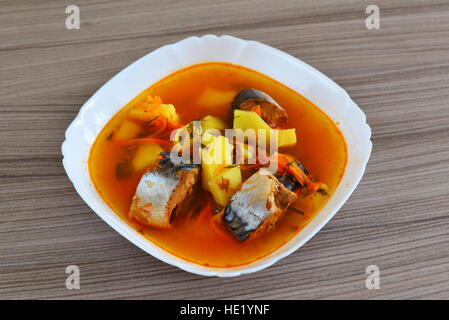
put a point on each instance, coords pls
(248, 153)
(211, 98)
(146, 155)
(218, 216)
(251, 120)
(225, 184)
(286, 138)
(218, 151)
(205, 211)
(311, 202)
(219, 175)
(257, 109)
(217, 226)
(207, 138)
(216, 155)
(156, 115)
(288, 164)
(183, 137)
(193, 129)
(211, 122)
(127, 130)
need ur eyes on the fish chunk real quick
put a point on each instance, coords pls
(257, 206)
(162, 188)
(271, 111)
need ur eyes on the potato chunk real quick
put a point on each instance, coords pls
(219, 176)
(225, 184)
(251, 120)
(207, 138)
(128, 130)
(211, 122)
(211, 98)
(146, 155)
(153, 112)
(216, 155)
(286, 138)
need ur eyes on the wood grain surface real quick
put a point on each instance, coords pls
(397, 219)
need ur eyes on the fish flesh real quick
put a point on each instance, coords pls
(256, 207)
(161, 191)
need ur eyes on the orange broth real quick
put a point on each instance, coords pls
(321, 148)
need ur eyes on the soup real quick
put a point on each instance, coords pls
(133, 144)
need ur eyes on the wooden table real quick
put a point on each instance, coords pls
(397, 219)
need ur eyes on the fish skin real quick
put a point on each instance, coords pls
(272, 112)
(256, 206)
(157, 187)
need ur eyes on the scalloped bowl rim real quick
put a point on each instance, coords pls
(141, 74)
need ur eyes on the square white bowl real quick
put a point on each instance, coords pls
(138, 76)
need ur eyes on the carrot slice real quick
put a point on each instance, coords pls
(289, 164)
(188, 217)
(218, 230)
(257, 109)
(203, 213)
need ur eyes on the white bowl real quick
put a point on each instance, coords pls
(292, 72)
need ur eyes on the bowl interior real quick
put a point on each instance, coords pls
(127, 84)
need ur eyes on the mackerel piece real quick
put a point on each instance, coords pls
(162, 188)
(257, 206)
(272, 112)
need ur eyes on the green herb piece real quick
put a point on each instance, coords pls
(295, 210)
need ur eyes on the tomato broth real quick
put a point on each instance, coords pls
(320, 148)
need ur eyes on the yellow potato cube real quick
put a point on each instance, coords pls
(225, 184)
(212, 97)
(211, 122)
(246, 152)
(207, 138)
(250, 120)
(128, 130)
(286, 138)
(216, 155)
(218, 151)
(146, 155)
(152, 112)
